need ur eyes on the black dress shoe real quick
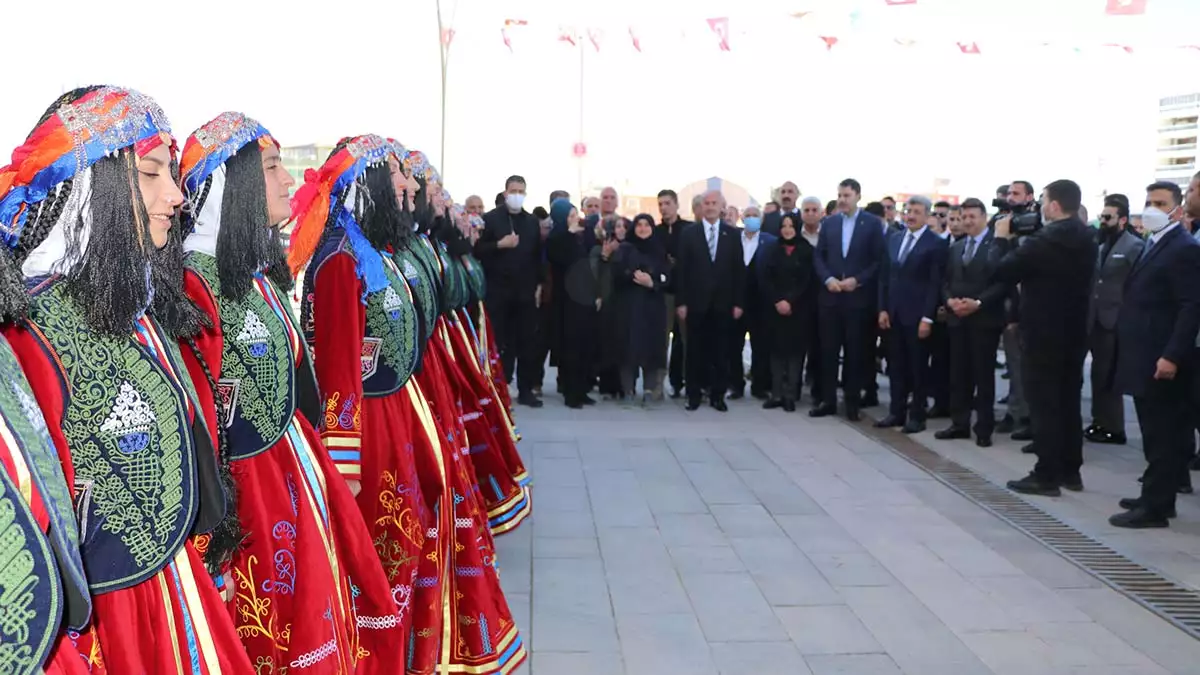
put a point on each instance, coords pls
(822, 411)
(529, 400)
(1090, 430)
(890, 422)
(574, 404)
(1185, 489)
(869, 401)
(692, 405)
(1073, 482)
(984, 441)
(1138, 519)
(852, 414)
(773, 404)
(1028, 449)
(1003, 400)
(1194, 465)
(1135, 503)
(1104, 436)
(759, 394)
(1033, 485)
(719, 405)
(789, 406)
(952, 433)
(914, 427)
(1006, 425)
(587, 400)
(937, 412)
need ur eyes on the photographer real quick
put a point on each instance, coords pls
(1054, 266)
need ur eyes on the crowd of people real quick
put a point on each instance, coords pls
(826, 294)
(196, 481)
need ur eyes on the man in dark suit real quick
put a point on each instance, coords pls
(974, 320)
(910, 284)
(754, 242)
(1119, 251)
(1055, 267)
(849, 250)
(788, 194)
(1156, 334)
(669, 231)
(710, 285)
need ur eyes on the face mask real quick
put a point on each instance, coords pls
(514, 201)
(752, 223)
(1154, 219)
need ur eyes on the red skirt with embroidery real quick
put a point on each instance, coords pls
(304, 581)
(66, 659)
(482, 379)
(495, 370)
(174, 622)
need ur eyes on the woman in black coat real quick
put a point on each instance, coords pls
(639, 277)
(575, 287)
(788, 288)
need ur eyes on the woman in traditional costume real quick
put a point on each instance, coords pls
(309, 593)
(88, 205)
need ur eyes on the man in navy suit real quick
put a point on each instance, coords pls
(847, 258)
(910, 282)
(1156, 336)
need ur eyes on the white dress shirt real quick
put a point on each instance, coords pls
(749, 246)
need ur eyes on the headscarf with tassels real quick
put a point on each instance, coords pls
(327, 196)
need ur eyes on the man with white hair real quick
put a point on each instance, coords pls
(608, 202)
(812, 210)
(710, 287)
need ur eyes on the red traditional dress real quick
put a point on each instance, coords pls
(122, 415)
(38, 528)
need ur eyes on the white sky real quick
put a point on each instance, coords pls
(777, 107)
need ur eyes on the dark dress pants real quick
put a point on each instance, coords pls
(707, 353)
(515, 320)
(843, 332)
(1108, 406)
(908, 372)
(1167, 426)
(811, 360)
(752, 323)
(1053, 383)
(876, 348)
(973, 376)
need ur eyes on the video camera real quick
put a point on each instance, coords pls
(1026, 218)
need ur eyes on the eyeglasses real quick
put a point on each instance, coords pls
(1105, 217)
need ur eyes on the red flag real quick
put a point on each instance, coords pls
(829, 42)
(1125, 7)
(447, 36)
(720, 26)
(968, 47)
(1127, 49)
(507, 41)
(594, 36)
(566, 35)
(637, 43)
(892, 3)
(515, 22)
(509, 23)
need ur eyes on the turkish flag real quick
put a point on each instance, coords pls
(447, 37)
(829, 42)
(1125, 7)
(720, 26)
(901, 2)
(637, 43)
(968, 47)
(595, 35)
(566, 35)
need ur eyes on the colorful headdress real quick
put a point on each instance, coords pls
(76, 136)
(315, 201)
(213, 144)
(421, 167)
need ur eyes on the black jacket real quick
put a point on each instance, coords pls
(974, 281)
(512, 270)
(703, 284)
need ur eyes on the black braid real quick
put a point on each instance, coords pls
(227, 535)
(38, 227)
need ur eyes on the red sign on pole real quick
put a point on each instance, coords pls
(579, 150)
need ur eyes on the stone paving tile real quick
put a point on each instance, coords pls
(706, 559)
(745, 521)
(829, 629)
(758, 658)
(731, 608)
(853, 664)
(578, 663)
(852, 569)
(690, 529)
(653, 644)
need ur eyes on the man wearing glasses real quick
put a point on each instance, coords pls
(1119, 251)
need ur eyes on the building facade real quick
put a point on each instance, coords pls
(1178, 133)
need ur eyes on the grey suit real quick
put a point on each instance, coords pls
(1108, 409)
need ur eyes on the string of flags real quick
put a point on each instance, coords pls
(720, 32)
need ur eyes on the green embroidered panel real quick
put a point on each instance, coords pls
(129, 434)
(257, 387)
(421, 284)
(478, 281)
(392, 317)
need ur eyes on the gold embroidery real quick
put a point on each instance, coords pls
(252, 610)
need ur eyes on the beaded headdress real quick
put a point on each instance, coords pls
(421, 167)
(79, 134)
(213, 144)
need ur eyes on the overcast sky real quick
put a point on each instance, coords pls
(778, 106)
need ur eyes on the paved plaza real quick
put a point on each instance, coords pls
(761, 543)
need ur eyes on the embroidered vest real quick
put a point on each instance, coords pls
(257, 384)
(390, 343)
(127, 426)
(420, 282)
(454, 279)
(32, 442)
(477, 280)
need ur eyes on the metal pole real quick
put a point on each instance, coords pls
(580, 139)
(443, 48)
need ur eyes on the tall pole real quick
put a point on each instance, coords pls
(580, 139)
(443, 50)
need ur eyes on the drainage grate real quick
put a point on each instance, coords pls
(1173, 602)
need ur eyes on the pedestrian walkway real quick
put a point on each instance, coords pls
(759, 543)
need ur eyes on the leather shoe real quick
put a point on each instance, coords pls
(587, 400)
(1135, 503)
(737, 394)
(1105, 437)
(773, 404)
(1073, 482)
(937, 412)
(789, 406)
(889, 422)
(1033, 485)
(1022, 433)
(914, 427)
(1006, 425)
(692, 405)
(984, 441)
(869, 401)
(822, 411)
(1138, 519)
(852, 414)
(1028, 449)
(719, 406)
(952, 433)
(529, 400)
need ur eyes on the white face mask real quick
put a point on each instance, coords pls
(1155, 219)
(514, 201)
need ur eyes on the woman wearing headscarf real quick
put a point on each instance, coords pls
(576, 285)
(787, 286)
(88, 206)
(610, 234)
(640, 274)
(306, 559)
